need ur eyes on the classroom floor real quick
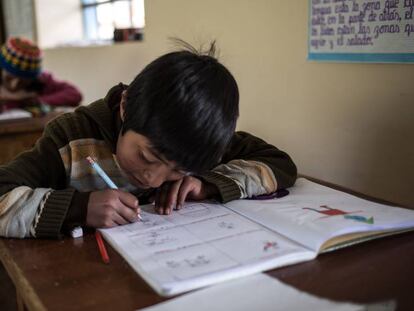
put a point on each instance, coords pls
(7, 292)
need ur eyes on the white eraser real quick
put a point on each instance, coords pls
(76, 232)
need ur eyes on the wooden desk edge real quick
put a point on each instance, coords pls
(23, 287)
(34, 124)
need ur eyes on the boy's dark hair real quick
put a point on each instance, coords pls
(186, 104)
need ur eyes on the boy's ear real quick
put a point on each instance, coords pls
(122, 105)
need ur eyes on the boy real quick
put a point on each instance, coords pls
(167, 137)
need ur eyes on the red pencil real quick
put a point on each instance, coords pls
(101, 246)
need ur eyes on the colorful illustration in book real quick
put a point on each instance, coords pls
(269, 245)
(329, 212)
(359, 218)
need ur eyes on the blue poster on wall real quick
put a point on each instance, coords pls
(361, 31)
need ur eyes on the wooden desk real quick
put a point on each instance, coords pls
(69, 274)
(20, 135)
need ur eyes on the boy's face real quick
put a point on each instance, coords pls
(144, 167)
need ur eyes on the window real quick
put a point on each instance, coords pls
(75, 22)
(17, 18)
(121, 20)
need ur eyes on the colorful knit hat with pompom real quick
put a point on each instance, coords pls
(21, 57)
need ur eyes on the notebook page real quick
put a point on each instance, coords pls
(200, 245)
(312, 214)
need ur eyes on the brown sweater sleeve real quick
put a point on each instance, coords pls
(245, 146)
(34, 171)
(77, 211)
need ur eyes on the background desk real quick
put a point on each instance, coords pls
(20, 135)
(70, 275)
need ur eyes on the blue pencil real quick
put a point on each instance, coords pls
(101, 173)
(105, 177)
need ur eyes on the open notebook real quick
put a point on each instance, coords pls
(205, 243)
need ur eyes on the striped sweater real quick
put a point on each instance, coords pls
(45, 191)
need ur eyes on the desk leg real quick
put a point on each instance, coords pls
(20, 303)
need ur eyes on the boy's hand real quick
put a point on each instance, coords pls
(174, 194)
(109, 208)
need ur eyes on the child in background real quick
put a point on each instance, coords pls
(24, 85)
(167, 137)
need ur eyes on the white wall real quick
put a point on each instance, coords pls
(349, 124)
(58, 22)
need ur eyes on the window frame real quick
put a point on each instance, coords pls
(95, 4)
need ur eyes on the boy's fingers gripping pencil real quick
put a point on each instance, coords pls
(105, 177)
(101, 246)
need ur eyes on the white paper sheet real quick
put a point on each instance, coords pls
(260, 293)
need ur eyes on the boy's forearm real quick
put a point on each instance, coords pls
(77, 211)
(41, 213)
(255, 166)
(35, 183)
(18, 210)
(52, 213)
(227, 188)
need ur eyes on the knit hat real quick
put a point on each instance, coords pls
(21, 57)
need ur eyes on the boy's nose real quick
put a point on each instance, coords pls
(153, 179)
